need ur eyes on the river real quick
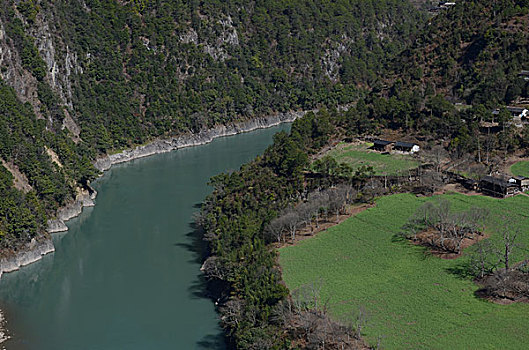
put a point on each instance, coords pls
(126, 274)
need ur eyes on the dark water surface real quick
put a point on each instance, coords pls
(125, 276)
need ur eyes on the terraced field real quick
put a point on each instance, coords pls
(357, 155)
(413, 300)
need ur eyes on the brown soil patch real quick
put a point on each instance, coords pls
(500, 301)
(454, 187)
(20, 181)
(424, 239)
(324, 224)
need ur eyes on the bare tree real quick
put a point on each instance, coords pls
(436, 156)
(318, 198)
(450, 229)
(489, 145)
(307, 320)
(232, 312)
(360, 318)
(307, 211)
(509, 233)
(276, 229)
(431, 180)
(214, 268)
(481, 259)
(477, 171)
(292, 221)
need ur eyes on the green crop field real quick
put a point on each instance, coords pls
(520, 168)
(358, 155)
(413, 300)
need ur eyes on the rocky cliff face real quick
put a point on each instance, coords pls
(12, 72)
(26, 254)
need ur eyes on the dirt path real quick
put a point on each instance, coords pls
(510, 162)
(457, 188)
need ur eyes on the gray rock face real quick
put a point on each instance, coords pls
(188, 140)
(28, 254)
(83, 199)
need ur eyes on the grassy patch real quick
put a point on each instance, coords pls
(358, 155)
(414, 300)
(520, 168)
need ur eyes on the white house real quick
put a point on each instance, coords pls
(406, 147)
(516, 112)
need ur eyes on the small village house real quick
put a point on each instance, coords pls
(516, 112)
(517, 115)
(498, 187)
(406, 147)
(522, 182)
(382, 145)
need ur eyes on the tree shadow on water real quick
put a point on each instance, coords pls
(198, 247)
(213, 342)
(200, 288)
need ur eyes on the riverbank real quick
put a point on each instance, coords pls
(135, 247)
(191, 140)
(13, 260)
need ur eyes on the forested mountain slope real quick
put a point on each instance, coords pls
(82, 78)
(472, 52)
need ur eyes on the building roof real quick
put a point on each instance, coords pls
(382, 142)
(497, 181)
(405, 144)
(519, 178)
(524, 72)
(489, 124)
(516, 109)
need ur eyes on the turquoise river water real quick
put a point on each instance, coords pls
(126, 274)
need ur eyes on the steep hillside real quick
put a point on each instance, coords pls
(472, 52)
(83, 78)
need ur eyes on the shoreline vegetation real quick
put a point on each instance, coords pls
(278, 197)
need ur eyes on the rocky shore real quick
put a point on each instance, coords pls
(37, 248)
(201, 138)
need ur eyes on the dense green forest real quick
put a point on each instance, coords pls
(159, 67)
(471, 53)
(448, 81)
(23, 142)
(85, 78)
